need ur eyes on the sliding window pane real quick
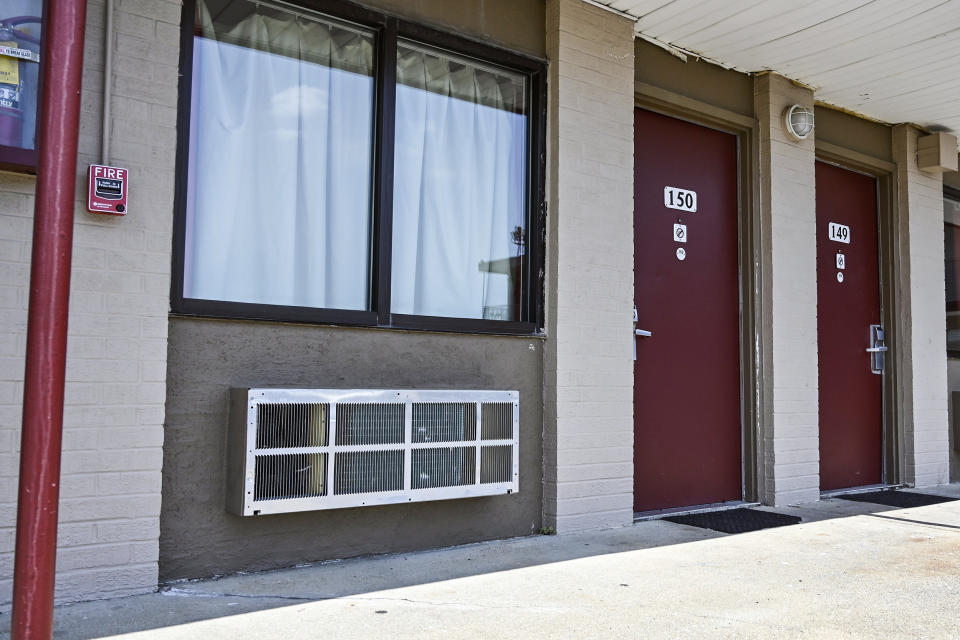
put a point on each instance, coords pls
(951, 246)
(281, 138)
(460, 185)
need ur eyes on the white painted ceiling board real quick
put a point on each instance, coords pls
(848, 37)
(892, 60)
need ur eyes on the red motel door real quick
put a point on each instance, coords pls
(848, 302)
(687, 431)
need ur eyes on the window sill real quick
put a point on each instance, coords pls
(17, 160)
(211, 309)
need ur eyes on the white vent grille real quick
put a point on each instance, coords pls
(308, 449)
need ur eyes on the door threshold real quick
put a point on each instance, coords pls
(697, 508)
(833, 493)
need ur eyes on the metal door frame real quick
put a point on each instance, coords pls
(884, 174)
(743, 128)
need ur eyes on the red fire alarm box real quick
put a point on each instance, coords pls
(107, 191)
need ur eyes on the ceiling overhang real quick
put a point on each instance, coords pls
(888, 60)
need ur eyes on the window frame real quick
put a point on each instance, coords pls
(17, 159)
(952, 194)
(388, 29)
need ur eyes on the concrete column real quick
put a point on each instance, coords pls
(588, 366)
(789, 446)
(921, 335)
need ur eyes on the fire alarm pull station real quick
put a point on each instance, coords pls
(107, 192)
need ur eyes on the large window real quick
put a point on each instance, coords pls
(951, 236)
(21, 24)
(353, 168)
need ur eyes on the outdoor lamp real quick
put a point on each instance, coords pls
(798, 121)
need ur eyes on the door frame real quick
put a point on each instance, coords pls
(752, 340)
(884, 173)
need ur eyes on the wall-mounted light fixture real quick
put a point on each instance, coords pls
(798, 121)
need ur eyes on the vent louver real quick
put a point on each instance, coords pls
(310, 449)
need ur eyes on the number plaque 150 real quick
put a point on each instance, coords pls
(682, 199)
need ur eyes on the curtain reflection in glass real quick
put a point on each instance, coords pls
(281, 133)
(459, 210)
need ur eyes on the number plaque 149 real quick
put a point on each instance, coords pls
(839, 232)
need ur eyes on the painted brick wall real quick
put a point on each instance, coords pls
(789, 439)
(588, 366)
(923, 365)
(116, 362)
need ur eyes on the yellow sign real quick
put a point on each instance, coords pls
(9, 67)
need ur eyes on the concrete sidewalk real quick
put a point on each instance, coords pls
(850, 570)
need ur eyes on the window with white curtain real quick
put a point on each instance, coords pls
(281, 143)
(459, 204)
(358, 169)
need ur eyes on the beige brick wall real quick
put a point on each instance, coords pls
(588, 366)
(116, 362)
(789, 439)
(923, 363)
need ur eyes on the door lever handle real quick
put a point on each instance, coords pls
(641, 332)
(877, 349)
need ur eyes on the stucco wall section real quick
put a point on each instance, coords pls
(697, 79)
(921, 284)
(588, 367)
(208, 357)
(789, 442)
(854, 133)
(516, 24)
(116, 360)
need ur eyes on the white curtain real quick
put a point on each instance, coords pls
(459, 196)
(278, 207)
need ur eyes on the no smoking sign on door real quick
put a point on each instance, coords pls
(680, 232)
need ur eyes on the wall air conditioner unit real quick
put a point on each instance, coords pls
(309, 449)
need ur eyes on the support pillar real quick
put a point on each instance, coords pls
(588, 366)
(789, 443)
(923, 395)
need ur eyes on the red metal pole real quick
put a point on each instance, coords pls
(57, 127)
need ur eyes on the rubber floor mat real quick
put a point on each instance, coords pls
(899, 499)
(736, 520)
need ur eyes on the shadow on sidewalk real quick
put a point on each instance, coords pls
(192, 601)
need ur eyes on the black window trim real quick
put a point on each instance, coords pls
(388, 30)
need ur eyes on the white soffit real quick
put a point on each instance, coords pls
(891, 60)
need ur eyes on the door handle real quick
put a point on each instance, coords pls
(638, 333)
(877, 349)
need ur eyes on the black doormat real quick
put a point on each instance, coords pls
(899, 499)
(736, 520)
